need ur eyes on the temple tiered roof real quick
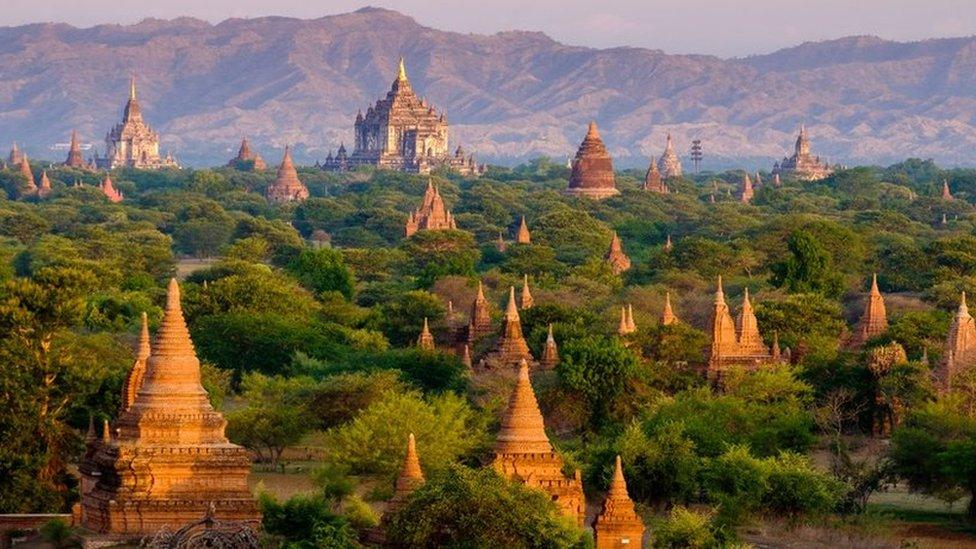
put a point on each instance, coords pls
(802, 165)
(247, 159)
(432, 215)
(592, 174)
(132, 143)
(736, 343)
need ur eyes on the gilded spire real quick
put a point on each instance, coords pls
(401, 70)
(523, 430)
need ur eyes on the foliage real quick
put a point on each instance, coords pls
(323, 270)
(808, 269)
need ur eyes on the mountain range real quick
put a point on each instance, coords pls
(509, 96)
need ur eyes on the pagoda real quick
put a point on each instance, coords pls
(511, 347)
(960, 348)
(286, 186)
(874, 321)
(425, 341)
(618, 524)
(653, 181)
(411, 477)
(734, 343)
(167, 462)
(667, 315)
(615, 256)
(402, 132)
(479, 325)
(523, 453)
(16, 157)
(44, 189)
(132, 143)
(109, 190)
(627, 325)
(592, 174)
(432, 215)
(802, 165)
(133, 380)
(946, 193)
(247, 159)
(745, 190)
(523, 236)
(550, 353)
(669, 165)
(30, 185)
(527, 299)
(74, 159)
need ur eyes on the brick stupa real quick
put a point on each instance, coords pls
(411, 477)
(523, 236)
(247, 159)
(286, 186)
(615, 256)
(133, 380)
(960, 348)
(109, 190)
(592, 174)
(669, 165)
(746, 191)
(874, 320)
(30, 185)
(653, 181)
(167, 462)
(667, 315)
(432, 215)
(74, 159)
(44, 189)
(511, 348)
(946, 193)
(618, 524)
(426, 340)
(550, 353)
(527, 300)
(479, 325)
(523, 453)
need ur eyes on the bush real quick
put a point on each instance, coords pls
(685, 529)
(796, 487)
(306, 521)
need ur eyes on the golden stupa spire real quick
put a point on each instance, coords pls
(401, 70)
(523, 430)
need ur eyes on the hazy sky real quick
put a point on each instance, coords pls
(721, 27)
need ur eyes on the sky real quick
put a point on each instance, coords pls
(727, 28)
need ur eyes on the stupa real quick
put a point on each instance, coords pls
(523, 453)
(109, 190)
(734, 344)
(618, 524)
(669, 165)
(432, 215)
(411, 477)
(527, 300)
(523, 236)
(667, 315)
(247, 159)
(479, 324)
(802, 165)
(167, 462)
(592, 174)
(511, 348)
(29, 186)
(746, 191)
(960, 348)
(550, 353)
(75, 159)
(426, 340)
(946, 193)
(44, 189)
(874, 320)
(653, 181)
(287, 187)
(615, 257)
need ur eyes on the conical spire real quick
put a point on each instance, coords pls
(466, 356)
(132, 88)
(618, 524)
(132, 111)
(286, 186)
(511, 347)
(592, 170)
(550, 353)
(592, 132)
(523, 430)
(133, 381)
(523, 236)
(401, 70)
(624, 328)
(750, 341)
(724, 341)
(106, 431)
(411, 477)
(874, 320)
(44, 189)
(480, 323)
(511, 312)
(527, 300)
(746, 192)
(74, 159)
(667, 315)
(30, 186)
(618, 260)
(630, 318)
(775, 352)
(426, 340)
(109, 190)
(960, 349)
(946, 194)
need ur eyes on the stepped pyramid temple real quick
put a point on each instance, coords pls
(592, 174)
(802, 165)
(287, 187)
(523, 453)
(550, 354)
(960, 349)
(166, 461)
(109, 190)
(618, 260)
(734, 344)
(653, 181)
(618, 525)
(511, 348)
(132, 143)
(745, 190)
(403, 132)
(246, 159)
(479, 324)
(874, 321)
(432, 215)
(523, 236)
(669, 165)
(74, 159)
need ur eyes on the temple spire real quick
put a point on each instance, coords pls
(426, 340)
(874, 319)
(527, 300)
(550, 354)
(401, 70)
(523, 236)
(523, 430)
(667, 315)
(618, 524)
(132, 88)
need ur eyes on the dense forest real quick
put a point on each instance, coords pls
(305, 316)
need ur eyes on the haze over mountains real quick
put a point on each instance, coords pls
(509, 96)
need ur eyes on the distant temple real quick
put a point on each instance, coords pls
(802, 165)
(615, 256)
(246, 159)
(735, 343)
(874, 321)
(592, 174)
(432, 215)
(411, 477)
(75, 159)
(511, 348)
(402, 132)
(109, 190)
(479, 324)
(523, 236)
(132, 143)
(523, 453)
(44, 189)
(746, 191)
(653, 181)
(15, 157)
(165, 462)
(669, 165)
(618, 524)
(667, 314)
(960, 348)
(287, 187)
(550, 353)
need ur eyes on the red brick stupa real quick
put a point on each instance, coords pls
(511, 348)
(286, 186)
(247, 159)
(653, 181)
(523, 236)
(618, 524)
(618, 260)
(75, 159)
(592, 174)
(109, 190)
(874, 321)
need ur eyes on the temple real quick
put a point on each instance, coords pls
(109, 190)
(44, 189)
(523, 236)
(618, 524)
(15, 157)
(550, 353)
(669, 165)
(402, 132)
(946, 193)
(411, 477)
(874, 321)
(746, 191)
(132, 143)
(479, 324)
(166, 461)
(511, 348)
(523, 453)
(615, 256)
(30, 185)
(960, 348)
(802, 165)
(287, 187)
(425, 341)
(246, 159)
(667, 315)
(734, 344)
(527, 300)
(592, 174)
(75, 159)
(627, 325)
(432, 215)
(653, 181)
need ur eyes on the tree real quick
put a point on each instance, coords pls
(600, 369)
(808, 269)
(275, 417)
(323, 270)
(434, 254)
(461, 507)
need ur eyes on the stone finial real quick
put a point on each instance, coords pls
(522, 430)
(618, 524)
(527, 300)
(401, 70)
(523, 236)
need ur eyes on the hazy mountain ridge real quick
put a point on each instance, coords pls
(508, 96)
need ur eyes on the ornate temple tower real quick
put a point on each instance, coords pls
(874, 320)
(618, 525)
(750, 343)
(523, 236)
(618, 260)
(592, 174)
(722, 331)
(432, 215)
(802, 165)
(653, 181)
(15, 157)
(523, 453)
(734, 344)
(247, 159)
(30, 185)
(167, 461)
(550, 353)
(132, 143)
(133, 380)
(411, 477)
(74, 159)
(44, 189)
(960, 349)
(287, 187)
(745, 190)
(669, 165)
